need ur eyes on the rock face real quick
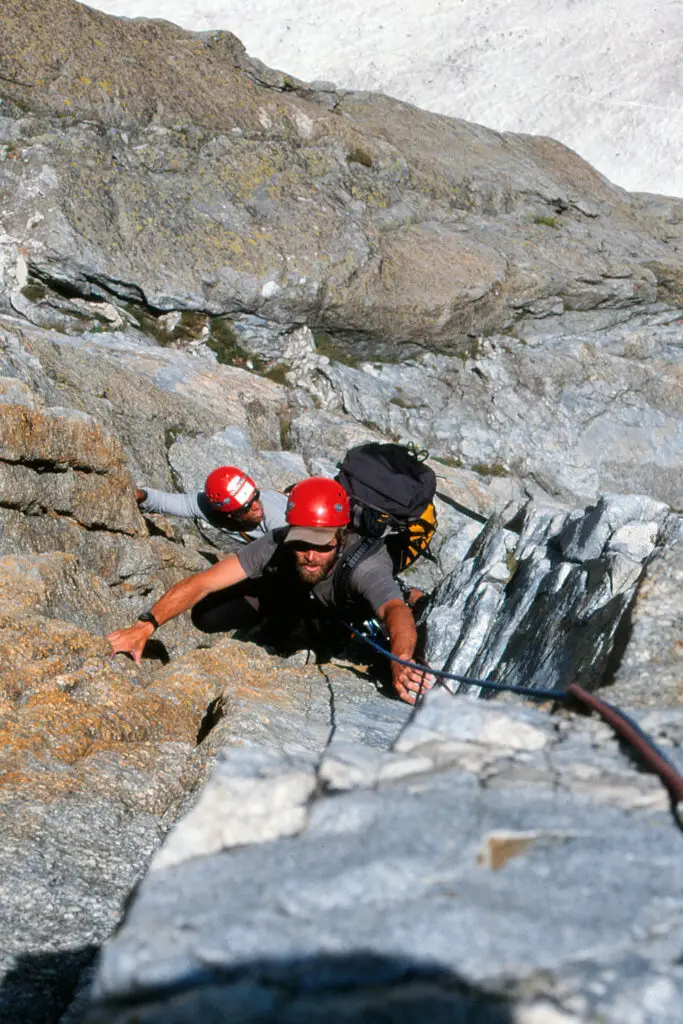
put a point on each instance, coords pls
(197, 254)
(147, 395)
(609, 400)
(422, 884)
(100, 756)
(93, 762)
(540, 303)
(651, 673)
(545, 607)
(98, 766)
(167, 167)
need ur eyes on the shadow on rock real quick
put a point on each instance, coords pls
(622, 637)
(40, 986)
(321, 989)
(156, 651)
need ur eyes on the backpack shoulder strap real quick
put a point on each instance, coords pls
(349, 561)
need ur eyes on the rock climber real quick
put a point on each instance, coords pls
(292, 574)
(230, 501)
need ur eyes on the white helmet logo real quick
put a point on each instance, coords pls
(241, 490)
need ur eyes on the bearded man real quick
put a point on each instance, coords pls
(302, 571)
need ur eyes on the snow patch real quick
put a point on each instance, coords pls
(605, 79)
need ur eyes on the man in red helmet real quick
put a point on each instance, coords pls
(230, 501)
(289, 575)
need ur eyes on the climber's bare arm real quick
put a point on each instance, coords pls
(400, 624)
(180, 598)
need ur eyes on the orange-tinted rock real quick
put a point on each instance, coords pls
(64, 463)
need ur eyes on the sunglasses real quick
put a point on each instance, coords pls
(239, 512)
(300, 545)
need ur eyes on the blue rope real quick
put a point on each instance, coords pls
(523, 691)
(674, 785)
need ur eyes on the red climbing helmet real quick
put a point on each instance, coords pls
(316, 508)
(229, 488)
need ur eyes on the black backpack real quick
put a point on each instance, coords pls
(392, 496)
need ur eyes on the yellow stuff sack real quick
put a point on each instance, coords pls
(406, 546)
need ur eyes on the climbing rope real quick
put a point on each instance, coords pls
(623, 725)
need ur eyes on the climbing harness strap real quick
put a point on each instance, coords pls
(348, 561)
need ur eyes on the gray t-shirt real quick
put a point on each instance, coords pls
(196, 506)
(370, 584)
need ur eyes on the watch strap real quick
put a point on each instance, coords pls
(148, 617)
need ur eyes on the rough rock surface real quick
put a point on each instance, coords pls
(232, 215)
(550, 604)
(145, 394)
(422, 884)
(167, 167)
(192, 275)
(94, 782)
(609, 401)
(651, 671)
(98, 756)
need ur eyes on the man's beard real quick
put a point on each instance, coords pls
(316, 574)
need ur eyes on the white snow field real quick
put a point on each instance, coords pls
(604, 78)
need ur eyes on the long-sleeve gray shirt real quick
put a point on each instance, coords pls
(197, 506)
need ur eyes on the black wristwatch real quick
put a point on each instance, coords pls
(148, 617)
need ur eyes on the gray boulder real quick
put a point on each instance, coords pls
(417, 884)
(133, 178)
(548, 605)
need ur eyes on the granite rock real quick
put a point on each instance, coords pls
(650, 672)
(550, 604)
(389, 227)
(433, 894)
(559, 414)
(267, 272)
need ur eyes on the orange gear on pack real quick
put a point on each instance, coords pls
(229, 488)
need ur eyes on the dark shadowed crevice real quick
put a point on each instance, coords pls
(333, 713)
(622, 637)
(215, 710)
(48, 466)
(40, 986)
(41, 510)
(156, 650)
(84, 285)
(357, 987)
